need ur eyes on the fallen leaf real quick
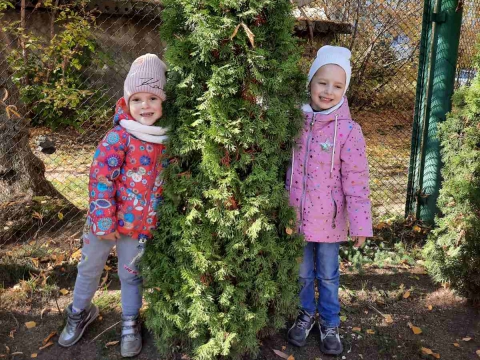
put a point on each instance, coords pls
(3, 356)
(478, 353)
(429, 307)
(30, 324)
(416, 330)
(417, 228)
(64, 291)
(467, 338)
(284, 348)
(50, 343)
(370, 331)
(406, 295)
(357, 329)
(100, 318)
(250, 34)
(291, 357)
(35, 261)
(343, 318)
(388, 318)
(59, 259)
(34, 355)
(436, 355)
(281, 354)
(49, 337)
(289, 231)
(76, 255)
(8, 349)
(235, 32)
(12, 333)
(112, 343)
(60, 216)
(427, 351)
(104, 280)
(456, 345)
(107, 268)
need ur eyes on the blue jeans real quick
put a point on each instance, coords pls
(320, 261)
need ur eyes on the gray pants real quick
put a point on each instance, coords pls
(94, 256)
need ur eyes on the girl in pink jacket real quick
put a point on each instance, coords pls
(328, 185)
(125, 188)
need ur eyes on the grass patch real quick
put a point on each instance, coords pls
(107, 300)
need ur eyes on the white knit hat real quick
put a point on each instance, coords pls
(332, 55)
(147, 74)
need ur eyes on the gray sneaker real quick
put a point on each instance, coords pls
(76, 325)
(131, 343)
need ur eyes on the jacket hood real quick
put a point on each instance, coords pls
(342, 113)
(121, 112)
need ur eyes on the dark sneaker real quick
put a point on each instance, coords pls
(330, 343)
(131, 344)
(76, 325)
(298, 333)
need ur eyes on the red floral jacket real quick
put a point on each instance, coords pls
(125, 182)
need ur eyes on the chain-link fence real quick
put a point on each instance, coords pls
(468, 41)
(64, 64)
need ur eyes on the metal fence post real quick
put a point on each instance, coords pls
(438, 86)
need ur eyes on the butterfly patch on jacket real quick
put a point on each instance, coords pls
(326, 146)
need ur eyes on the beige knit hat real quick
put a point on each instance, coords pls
(147, 74)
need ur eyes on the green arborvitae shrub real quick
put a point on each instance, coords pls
(453, 250)
(222, 267)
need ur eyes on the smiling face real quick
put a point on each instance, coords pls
(146, 108)
(327, 87)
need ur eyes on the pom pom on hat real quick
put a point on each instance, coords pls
(147, 74)
(332, 55)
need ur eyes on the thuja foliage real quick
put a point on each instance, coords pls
(222, 268)
(453, 251)
(50, 69)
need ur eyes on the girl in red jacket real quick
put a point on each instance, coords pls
(125, 188)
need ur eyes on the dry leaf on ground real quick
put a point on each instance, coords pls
(49, 337)
(416, 330)
(281, 354)
(34, 355)
(76, 255)
(370, 331)
(30, 324)
(388, 318)
(456, 345)
(64, 291)
(468, 338)
(429, 307)
(50, 343)
(289, 231)
(478, 353)
(112, 343)
(357, 329)
(291, 357)
(284, 348)
(406, 295)
(12, 333)
(107, 268)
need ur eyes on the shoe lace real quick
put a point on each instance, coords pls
(330, 331)
(73, 321)
(302, 324)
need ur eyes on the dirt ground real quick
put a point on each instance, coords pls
(380, 308)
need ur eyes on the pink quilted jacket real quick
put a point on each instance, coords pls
(328, 180)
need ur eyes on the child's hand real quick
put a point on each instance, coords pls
(358, 241)
(111, 237)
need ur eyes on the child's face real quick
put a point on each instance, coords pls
(145, 108)
(327, 87)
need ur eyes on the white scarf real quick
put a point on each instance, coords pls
(152, 134)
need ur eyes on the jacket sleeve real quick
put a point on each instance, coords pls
(106, 167)
(355, 183)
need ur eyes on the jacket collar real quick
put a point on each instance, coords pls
(343, 112)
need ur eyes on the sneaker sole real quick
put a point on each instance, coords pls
(132, 354)
(330, 352)
(297, 343)
(81, 334)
